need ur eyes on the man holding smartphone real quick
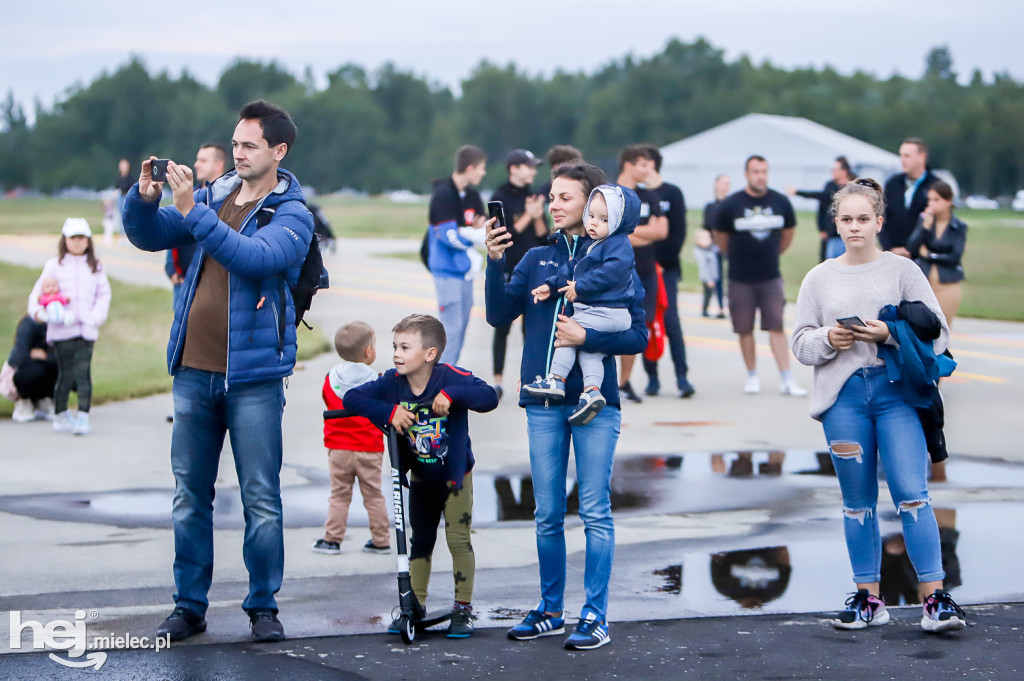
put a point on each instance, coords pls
(527, 223)
(455, 203)
(231, 347)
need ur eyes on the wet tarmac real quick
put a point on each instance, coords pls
(698, 482)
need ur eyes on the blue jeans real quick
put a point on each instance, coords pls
(177, 291)
(870, 421)
(454, 302)
(594, 446)
(834, 248)
(251, 414)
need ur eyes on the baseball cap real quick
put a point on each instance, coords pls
(520, 156)
(76, 227)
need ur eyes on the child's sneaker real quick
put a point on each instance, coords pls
(461, 624)
(81, 426)
(370, 547)
(591, 402)
(24, 411)
(535, 625)
(590, 633)
(330, 548)
(862, 610)
(63, 422)
(550, 386)
(941, 613)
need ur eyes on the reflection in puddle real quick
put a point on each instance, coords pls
(802, 575)
(662, 484)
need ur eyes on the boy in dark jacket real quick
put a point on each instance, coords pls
(599, 284)
(429, 403)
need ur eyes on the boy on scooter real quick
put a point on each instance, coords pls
(429, 404)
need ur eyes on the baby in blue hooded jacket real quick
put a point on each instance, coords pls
(599, 284)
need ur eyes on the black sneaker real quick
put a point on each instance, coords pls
(370, 547)
(653, 388)
(330, 548)
(628, 392)
(499, 390)
(461, 624)
(181, 624)
(685, 388)
(265, 625)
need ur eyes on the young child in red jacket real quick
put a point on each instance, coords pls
(355, 446)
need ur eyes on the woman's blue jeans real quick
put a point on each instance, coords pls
(251, 415)
(870, 421)
(594, 447)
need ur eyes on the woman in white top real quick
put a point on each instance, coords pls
(864, 415)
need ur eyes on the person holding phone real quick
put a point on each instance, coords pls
(528, 227)
(937, 246)
(455, 203)
(864, 415)
(549, 431)
(232, 344)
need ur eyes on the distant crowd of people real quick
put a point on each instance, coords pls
(591, 269)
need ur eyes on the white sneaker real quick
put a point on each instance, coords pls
(753, 385)
(791, 388)
(44, 409)
(63, 422)
(81, 426)
(23, 412)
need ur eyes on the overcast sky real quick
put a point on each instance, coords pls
(46, 47)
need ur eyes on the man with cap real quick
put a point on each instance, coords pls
(524, 210)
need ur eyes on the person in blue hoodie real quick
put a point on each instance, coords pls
(232, 344)
(429, 403)
(599, 284)
(550, 433)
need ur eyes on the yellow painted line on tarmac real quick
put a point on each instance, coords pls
(960, 352)
(976, 377)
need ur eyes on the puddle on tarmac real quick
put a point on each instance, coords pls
(698, 482)
(809, 575)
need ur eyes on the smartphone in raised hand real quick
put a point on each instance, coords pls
(496, 209)
(158, 169)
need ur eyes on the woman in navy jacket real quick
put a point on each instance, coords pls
(937, 245)
(549, 433)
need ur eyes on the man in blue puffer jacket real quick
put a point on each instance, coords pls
(231, 346)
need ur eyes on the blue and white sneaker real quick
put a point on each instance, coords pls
(941, 613)
(535, 625)
(590, 633)
(549, 386)
(591, 402)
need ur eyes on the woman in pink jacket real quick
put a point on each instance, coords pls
(82, 281)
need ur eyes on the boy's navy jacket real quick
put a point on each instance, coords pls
(256, 258)
(603, 269)
(436, 448)
(507, 301)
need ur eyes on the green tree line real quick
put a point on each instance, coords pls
(390, 128)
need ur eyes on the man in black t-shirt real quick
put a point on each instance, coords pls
(666, 252)
(455, 203)
(754, 227)
(635, 167)
(524, 210)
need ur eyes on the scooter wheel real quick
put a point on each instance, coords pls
(408, 630)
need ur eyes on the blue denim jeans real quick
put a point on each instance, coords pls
(251, 415)
(454, 302)
(594, 446)
(834, 248)
(870, 422)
